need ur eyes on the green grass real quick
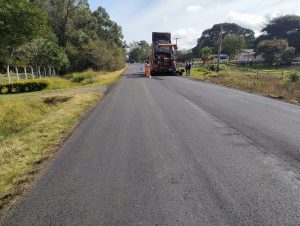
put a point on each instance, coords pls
(94, 79)
(31, 130)
(87, 78)
(275, 85)
(56, 83)
(32, 125)
(263, 67)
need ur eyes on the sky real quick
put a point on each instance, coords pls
(186, 19)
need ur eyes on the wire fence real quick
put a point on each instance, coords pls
(278, 72)
(25, 74)
(275, 72)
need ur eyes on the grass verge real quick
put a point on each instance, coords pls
(33, 125)
(279, 87)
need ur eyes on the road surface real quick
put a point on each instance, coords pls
(173, 151)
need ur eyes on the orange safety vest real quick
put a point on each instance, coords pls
(147, 69)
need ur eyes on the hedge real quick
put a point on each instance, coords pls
(23, 86)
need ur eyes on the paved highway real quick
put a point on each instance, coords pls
(173, 151)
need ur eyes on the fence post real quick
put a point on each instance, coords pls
(50, 72)
(8, 73)
(39, 72)
(25, 71)
(53, 70)
(17, 71)
(32, 73)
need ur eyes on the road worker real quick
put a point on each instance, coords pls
(147, 69)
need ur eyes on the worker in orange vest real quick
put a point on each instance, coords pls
(147, 69)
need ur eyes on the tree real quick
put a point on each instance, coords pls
(283, 27)
(210, 37)
(232, 44)
(206, 54)
(184, 55)
(44, 52)
(272, 50)
(288, 55)
(100, 56)
(139, 51)
(77, 29)
(108, 29)
(62, 13)
(61, 33)
(21, 59)
(20, 22)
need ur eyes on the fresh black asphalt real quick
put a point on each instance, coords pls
(173, 151)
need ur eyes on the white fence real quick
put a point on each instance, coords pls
(16, 73)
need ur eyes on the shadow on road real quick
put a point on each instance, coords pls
(136, 75)
(142, 75)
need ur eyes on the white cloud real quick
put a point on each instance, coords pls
(193, 8)
(252, 21)
(246, 18)
(188, 37)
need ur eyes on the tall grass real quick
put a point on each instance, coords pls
(18, 112)
(281, 87)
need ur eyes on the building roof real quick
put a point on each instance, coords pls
(247, 51)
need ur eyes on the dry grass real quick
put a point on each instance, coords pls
(280, 87)
(33, 125)
(93, 79)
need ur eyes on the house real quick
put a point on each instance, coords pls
(249, 56)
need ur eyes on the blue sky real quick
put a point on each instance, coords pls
(187, 19)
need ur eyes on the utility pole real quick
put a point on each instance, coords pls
(220, 48)
(176, 40)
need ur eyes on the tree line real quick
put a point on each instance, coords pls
(139, 51)
(58, 35)
(278, 43)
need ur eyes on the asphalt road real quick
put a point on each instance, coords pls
(173, 151)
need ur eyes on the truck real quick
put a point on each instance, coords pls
(163, 59)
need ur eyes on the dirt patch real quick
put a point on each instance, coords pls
(51, 100)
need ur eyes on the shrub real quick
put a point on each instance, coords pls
(84, 78)
(294, 77)
(88, 81)
(18, 112)
(24, 86)
(81, 77)
(78, 78)
(211, 67)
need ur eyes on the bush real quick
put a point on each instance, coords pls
(24, 86)
(88, 81)
(84, 78)
(211, 67)
(294, 77)
(78, 78)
